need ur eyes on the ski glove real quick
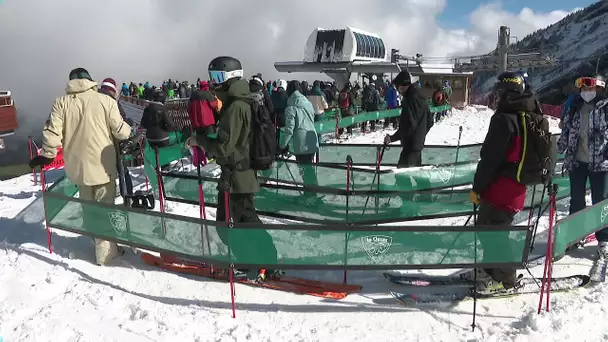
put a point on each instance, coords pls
(474, 197)
(387, 140)
(40, 161)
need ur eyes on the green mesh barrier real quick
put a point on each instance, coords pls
(62, 187)
(329, 125)
(579, 225)
(431, 155)
(360, 209)
(166, 155)
(294, 245)
(417, 178)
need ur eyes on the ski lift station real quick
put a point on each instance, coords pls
(339, 53)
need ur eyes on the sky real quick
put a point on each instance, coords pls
(151, 40)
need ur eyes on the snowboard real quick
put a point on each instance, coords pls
(283, 283)
(525, 286)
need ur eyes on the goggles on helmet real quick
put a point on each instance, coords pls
(220, 77)
(589, 82)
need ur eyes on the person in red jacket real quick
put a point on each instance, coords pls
(202, 110)
(495, 187)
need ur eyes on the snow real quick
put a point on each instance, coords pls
(65, 297)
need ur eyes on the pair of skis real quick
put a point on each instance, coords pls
(282, 283)
(462, 287)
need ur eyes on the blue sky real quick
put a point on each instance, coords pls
(456, 13)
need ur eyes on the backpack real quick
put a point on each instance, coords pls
(263, 147)
(539, 154)
(370, 99)
(343, 100)
(438, 98)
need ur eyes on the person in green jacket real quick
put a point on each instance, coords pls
(299, 132)
(238, 181)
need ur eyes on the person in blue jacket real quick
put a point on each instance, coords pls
(570, 100)
(391, 97)
(300, 132)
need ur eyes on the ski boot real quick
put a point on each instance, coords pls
(265, 274)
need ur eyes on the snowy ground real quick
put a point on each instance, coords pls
(64, 297)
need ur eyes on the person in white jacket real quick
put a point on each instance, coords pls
(317, 98)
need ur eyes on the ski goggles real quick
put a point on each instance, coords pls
(589, 82)
(220, 77)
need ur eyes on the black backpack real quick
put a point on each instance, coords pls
(539, 153)
(263, 147)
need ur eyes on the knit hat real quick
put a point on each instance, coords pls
(403, 79)
(79, 74)
(109, 84)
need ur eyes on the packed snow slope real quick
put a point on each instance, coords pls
(64, 297)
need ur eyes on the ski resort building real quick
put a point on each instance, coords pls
(8, 116)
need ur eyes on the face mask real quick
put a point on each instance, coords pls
(588, 95)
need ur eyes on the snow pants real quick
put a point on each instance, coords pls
(307, 170)
(247, 245)
(491, 216)
(599, 191)
(409, 158)
(105, 251)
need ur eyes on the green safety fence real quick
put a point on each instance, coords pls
(579, 225)
(329, 126)
(367, 154)
(328, 246)
(364, 207)
(406, 179)
(166, 155)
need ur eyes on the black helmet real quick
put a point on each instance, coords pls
(159, 96)
(511, 82)
(221, 69)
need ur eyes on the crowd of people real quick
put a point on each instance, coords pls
(235, 120)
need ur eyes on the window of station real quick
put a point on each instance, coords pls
(370, 47)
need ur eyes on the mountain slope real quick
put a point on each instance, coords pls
(577, 41)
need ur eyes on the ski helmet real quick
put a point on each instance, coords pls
(223, 68)
(159, 96)
(511, 82)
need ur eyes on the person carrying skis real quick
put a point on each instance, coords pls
(232, 148)
(414, 123)
(584, 143)
(86, 122)
(497, 186)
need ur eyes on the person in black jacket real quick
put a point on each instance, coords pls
(414, 123)
(157, 122)
(370, 103)
(495, 186)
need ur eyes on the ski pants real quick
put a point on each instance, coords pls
(95, 220)
(307, 170)
(495, 245)
(247, 245)
(409, 158)
(599, 191)
(346, 113)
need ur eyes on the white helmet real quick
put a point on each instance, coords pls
(282, 84)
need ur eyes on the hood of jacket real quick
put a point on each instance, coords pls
(238, 90)
(512, 103)
(297, 100)
(80, 86)
(316, 91)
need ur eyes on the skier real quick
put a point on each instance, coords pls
(414, 123)
(391, 97)
(232, 150)
(586, 150)
(279, 102)
(157, 122)
(300, 131)
(346, 103)
(496, 188)
(317, 98)
(370, 103)
(85, 122)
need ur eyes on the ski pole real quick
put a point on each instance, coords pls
(376, 174)
(456, 161)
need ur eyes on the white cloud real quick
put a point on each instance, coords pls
(41, 41)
